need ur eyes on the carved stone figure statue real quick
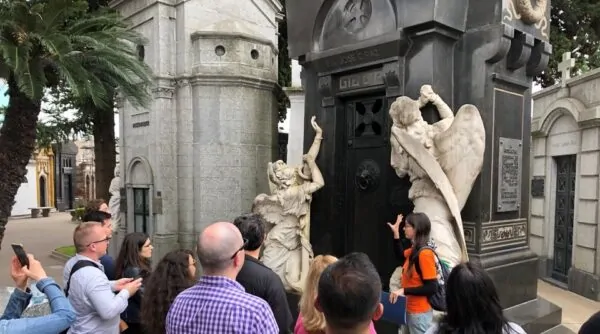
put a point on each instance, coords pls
(114, 203)
(287, 249)
(529, 13)
(442, 160)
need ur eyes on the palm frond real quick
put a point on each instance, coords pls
(93, 54)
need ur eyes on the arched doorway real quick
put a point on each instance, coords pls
(43, 192)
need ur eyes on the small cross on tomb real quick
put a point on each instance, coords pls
(565, 67)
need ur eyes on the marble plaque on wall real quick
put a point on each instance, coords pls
(509, 174)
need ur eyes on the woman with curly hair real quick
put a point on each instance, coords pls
(173, 274)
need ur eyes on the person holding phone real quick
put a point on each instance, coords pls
(62, 315)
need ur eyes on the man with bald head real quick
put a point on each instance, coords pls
(217, 303)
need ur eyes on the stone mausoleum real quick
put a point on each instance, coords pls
(564, 186)
(358, 57)
(200, 152)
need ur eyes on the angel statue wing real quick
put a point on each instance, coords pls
(460, 151)
(273, 180)
(428, 163)
(269, 209)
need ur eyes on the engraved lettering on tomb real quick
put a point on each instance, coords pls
(504, 233)
(361, 80)
(509, 175)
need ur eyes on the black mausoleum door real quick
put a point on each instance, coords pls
(375, 195)
(563, 218)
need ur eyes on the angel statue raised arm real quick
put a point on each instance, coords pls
(442, 161)
(287, 249)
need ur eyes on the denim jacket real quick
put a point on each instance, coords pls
(61, 318)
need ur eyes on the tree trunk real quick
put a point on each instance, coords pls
(17, 142)
(103, 130)
(104, 149)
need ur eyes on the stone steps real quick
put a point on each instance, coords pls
(536, 316)
(560, 329)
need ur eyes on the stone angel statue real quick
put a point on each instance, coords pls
(287, 249)
(442, 160)
(114, 203)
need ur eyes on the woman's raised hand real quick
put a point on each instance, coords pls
(396, 226)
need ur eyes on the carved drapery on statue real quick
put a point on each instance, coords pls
(287, 249)
(442, 160)
(114, 204)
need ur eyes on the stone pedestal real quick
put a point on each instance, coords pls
(471, 52)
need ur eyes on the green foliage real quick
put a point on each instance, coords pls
(574, 27)
(83, 56)
(285, 68)
(66, 250)
(58, 43)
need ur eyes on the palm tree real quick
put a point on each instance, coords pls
(45, 43)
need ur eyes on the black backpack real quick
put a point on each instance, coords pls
(78, 265)
(438, 299)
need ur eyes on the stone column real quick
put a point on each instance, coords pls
(234, 119)
(164, 199)
(495, 63)
(296, 133)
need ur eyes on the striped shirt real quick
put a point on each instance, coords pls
(219, 305)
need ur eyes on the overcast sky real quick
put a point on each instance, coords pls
(3, 98)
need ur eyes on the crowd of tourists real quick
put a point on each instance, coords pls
(238, 294)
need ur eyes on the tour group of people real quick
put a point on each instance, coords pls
(238, 294)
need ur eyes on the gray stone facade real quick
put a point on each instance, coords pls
(566, 125)
(198, 154)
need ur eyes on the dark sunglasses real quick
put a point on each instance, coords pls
(241, 249)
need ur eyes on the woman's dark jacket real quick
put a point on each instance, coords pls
(131, 315)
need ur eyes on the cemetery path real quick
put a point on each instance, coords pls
(39, 236)
(575, 308)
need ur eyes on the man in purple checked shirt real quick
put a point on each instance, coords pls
(217, 303)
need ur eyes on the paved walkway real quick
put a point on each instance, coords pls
(575, 308)
(39, 236)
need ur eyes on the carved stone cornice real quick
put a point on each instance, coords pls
(232, 80)
(499, 48)
(520, 50)
(182, 82)
(162, 92)
(540, 55)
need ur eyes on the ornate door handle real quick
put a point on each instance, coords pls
(367, 175)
